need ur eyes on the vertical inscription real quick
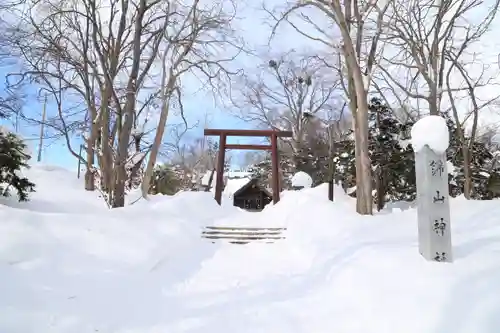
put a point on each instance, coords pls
(433, 206)
(437, 168)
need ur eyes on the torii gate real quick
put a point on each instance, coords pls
(273, 147)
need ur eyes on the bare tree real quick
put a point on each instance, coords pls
(333, 132)
(186, 155)
(475, 76)
(102, 55)
(10, 104)
(488, 135)
(11, 101)
(472, 85)
(360, 25)
(429, 60)
(199, 41)
(195, 158)
(286, 95)
(252, 157)
(420, 38)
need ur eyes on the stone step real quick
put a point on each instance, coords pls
(243, 235)
(235, 232)
(240, 237)
(243, 228)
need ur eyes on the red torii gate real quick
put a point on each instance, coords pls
(273, 147)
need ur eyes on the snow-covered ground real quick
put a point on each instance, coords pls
(67, 264)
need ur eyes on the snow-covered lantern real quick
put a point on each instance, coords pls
(301, 180)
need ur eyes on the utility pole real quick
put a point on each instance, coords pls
(17, 122)
(42, 125)
(80, 161)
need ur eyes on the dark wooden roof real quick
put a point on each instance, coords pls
(251, 182)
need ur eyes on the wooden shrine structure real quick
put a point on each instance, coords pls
(223, 146)
(252, 196)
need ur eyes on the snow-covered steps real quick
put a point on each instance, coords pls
(243, 235)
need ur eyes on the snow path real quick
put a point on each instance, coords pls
(145, 268)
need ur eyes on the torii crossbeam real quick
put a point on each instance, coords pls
(273, 147)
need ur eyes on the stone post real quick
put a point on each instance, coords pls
(433, 206)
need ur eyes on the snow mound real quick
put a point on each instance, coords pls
(58, 190)
(145, 268)
(233, 185)
(430, 131)
(302, 179)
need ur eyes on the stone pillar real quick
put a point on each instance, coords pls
(433, 206)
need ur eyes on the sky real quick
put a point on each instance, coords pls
(254, 28)
(55, 152)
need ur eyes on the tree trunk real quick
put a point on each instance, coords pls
(357, 157)
(148, 174)
(107, 156)
(331, 179)
(89, 173)
(124, 134)
(380, 186)
(353, 106)
(89, 179)
(366, 181)
(146, 181)
(125, 130)
(467, 171)
(359, 107)
(160, 130)
(433, 104)
(210, 180)
(364, 200)
(118, 199)
(106, 159)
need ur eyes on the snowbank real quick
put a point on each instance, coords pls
(57, 191)
(431, 131)
(145, 268)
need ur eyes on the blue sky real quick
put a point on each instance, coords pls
(55, 152)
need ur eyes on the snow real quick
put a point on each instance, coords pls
(137, 132)
(68, 264)
(484, 174)
(451, 168)
(233, 185)
(431, 131)
(301, 179)
(206, 178)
